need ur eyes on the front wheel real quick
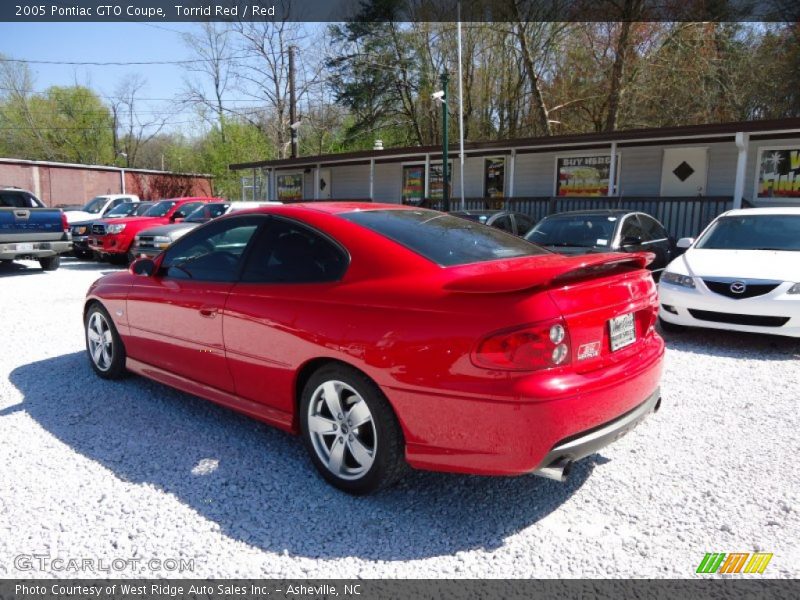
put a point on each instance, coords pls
(51, 263)
(103, 344)
(350, 430)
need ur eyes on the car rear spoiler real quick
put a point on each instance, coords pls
(542, 271)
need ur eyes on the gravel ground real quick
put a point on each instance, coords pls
(134, 470)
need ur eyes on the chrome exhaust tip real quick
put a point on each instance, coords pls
(559, 470)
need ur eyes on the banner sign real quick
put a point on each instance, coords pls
(583, 175)
(413, 184)
(494, 177)
(779, 173)
(436, 184)
(290, 187)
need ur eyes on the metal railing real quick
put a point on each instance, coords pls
(682, 217)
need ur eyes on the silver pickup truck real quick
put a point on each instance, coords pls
(29, 230)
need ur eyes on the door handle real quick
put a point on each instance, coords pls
(208, 311)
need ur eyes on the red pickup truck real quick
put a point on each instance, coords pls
(112, 238)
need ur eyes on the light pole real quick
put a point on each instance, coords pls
(445, 183)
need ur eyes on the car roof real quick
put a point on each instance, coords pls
(596, 212)
(775, 210)
(334, 208)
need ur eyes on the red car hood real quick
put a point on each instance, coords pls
(519, 274)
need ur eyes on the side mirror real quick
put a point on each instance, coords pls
(143, 266)
(685, 242)
(631, 240)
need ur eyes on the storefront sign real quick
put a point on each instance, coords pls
(779, 173)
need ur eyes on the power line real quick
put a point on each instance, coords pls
(112, 97)
(119, 63)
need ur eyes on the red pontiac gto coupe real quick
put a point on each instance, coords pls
(388, 335)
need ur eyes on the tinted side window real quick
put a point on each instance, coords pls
(17, 200)
(652, 228)
(211, 253)
(185, 209)
(503, 223)
(287, 252)
(631, 228)
(524, 224)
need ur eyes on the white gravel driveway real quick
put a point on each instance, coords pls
(126, 470)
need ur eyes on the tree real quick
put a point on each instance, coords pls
(131, 129)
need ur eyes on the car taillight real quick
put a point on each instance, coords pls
(528, 348)
(64, 222)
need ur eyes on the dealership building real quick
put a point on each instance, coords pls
(753, 163)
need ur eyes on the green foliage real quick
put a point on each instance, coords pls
(67, 124)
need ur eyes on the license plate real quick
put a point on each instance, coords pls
(622, 331)
(24, 247)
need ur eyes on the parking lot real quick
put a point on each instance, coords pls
(134, 471)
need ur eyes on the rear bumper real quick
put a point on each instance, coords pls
(584, 444)
(145, 252)
(547, 416)
(34, 250)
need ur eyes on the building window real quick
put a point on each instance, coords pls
(583, 175)
(289, 187)
(494, 177)
(778, 173)
(413, 184)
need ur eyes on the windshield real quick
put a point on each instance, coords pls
(443, 239)
(582, 231)
(95, 205)
(753, 232)
(159, 209)
(205, 213)
(121, 210)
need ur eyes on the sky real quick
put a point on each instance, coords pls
(106, 42)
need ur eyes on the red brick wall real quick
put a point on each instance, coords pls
(75, 185)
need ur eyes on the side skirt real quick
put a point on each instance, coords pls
(271, 416)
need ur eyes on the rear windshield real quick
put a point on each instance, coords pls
(443, 239)
(753, 232)
(160, 209)
(581, 231)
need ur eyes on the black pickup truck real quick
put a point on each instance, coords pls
(31, 231)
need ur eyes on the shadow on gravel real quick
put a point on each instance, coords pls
(257, 483)
(8, 269)
(67, 263)
(734, 344)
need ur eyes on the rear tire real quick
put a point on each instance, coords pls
(103, 344)
(350, 431)
(51, 263)
(671, 327)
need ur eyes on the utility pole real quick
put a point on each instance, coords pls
(292, 104)
(445, 182)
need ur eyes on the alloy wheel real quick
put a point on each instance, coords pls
(342, 430)
(101, 342)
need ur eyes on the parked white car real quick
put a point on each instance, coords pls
(742, 274)
(97, 207)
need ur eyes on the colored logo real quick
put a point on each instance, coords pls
(735, 562)
(589, 350)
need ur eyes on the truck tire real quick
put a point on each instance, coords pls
(51, 263)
